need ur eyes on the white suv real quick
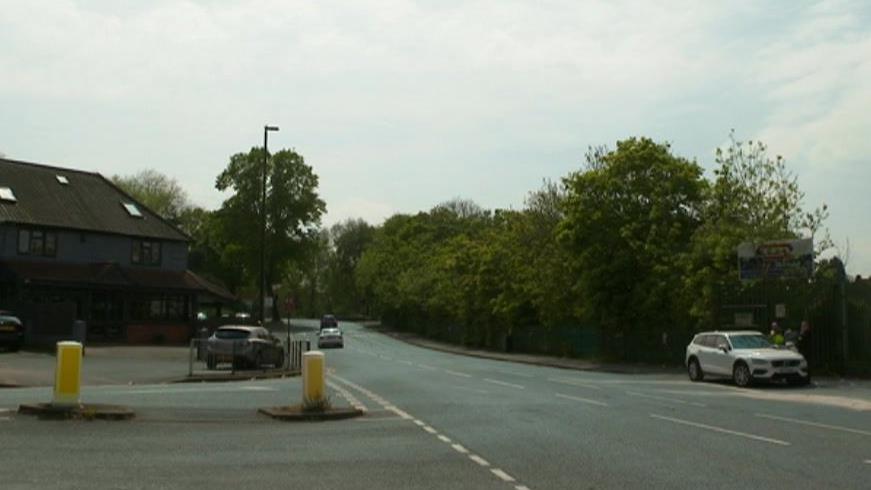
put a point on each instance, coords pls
(744, 356)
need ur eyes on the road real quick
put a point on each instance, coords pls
(438, 420)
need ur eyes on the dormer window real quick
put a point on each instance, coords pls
(7, 195)
(62, 180)
(132, 210)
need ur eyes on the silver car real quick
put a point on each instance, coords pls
(244, 346)
(330, 337)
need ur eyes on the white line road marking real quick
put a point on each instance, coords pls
(665, 399)
(401, 413)
(425, 366)
(502, 475)
(5, 419)
(503, 383)
(522, 375)
(169, 391)
(574, 383)
(407, 363)
(455, 373)
(6, 410)
(386, 358)
(815, 424)
(868, 461)
(582, 400)
(457, 447)
(721, 430)
(478, 459)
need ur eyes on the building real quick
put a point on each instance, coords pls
(73, 246)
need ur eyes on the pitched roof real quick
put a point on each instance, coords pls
(88, 201)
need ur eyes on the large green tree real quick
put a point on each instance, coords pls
(292, 210)
(160, 193)
(629, 217)
(753, 198)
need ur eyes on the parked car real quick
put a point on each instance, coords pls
(745, 356)
(11, 331)
(244, 347)
(329, 321)
(330, 337)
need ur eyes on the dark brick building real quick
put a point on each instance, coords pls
(73, 246)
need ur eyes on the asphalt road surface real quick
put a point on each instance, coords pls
(438, 420)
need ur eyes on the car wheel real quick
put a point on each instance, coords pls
(279, 363)
(694, 369)
(741, 375)
(258, 360)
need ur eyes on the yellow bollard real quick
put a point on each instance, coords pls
(313, 371)
(68, 374)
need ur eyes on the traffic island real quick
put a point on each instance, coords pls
(84, 411)
(237, 376)
(299, 413)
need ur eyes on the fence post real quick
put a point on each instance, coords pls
(191, 358)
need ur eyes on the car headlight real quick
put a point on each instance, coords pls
(759, 362)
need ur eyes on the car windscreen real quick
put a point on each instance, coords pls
(232, 334)
(749, 342)
(330, 331)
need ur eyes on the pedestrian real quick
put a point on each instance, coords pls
(790, 337)
(804, 340)
(776, 335)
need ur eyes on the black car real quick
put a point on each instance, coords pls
(11, 331)
(329, 321)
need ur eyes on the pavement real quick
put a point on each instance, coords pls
(440, 420)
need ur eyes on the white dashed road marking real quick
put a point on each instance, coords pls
(815, 424)
(582, 400)
(665, 399)
(424, 366)
(503, 383)
(478, 459)
(721, 430)
(502, 475)
(574, 383)
(456, 373)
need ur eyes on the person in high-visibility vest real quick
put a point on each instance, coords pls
(776, 335)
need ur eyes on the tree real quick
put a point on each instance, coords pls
(157, 192)
(754, 198)
(628, 221)
(293, 210)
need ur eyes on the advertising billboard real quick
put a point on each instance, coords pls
(776, 259)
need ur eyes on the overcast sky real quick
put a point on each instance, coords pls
(399, 105)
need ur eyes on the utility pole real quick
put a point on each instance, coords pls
(262, 299)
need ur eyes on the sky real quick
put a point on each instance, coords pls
(400, 105)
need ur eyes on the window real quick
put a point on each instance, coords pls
(132, 210)
(145, 253)
(6, 194)
(62, 180)
(40, 243)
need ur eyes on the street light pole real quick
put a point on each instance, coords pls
(266, 130)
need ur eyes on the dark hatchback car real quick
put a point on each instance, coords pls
(329, 321)
(11, 331)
